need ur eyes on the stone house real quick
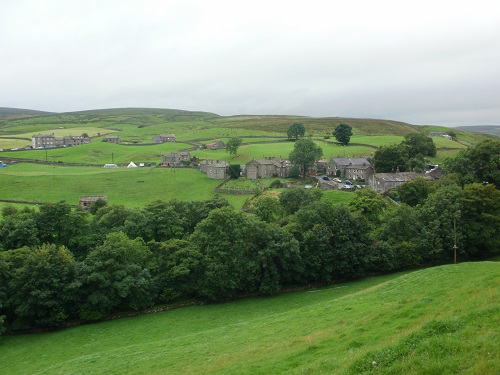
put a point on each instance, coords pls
(162, 138)
(177, 159)
(268, 167)
(112, 139)
(214, 169)
(51, 141)
(382, 182)
(44, 141)
(215, 145)
(75, 140)
(351, 168)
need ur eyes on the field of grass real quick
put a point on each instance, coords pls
(99, 152)
(133, 187)
(441, 320)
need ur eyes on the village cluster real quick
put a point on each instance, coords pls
(344, 173)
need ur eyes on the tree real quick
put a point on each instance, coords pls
(438, 216)
(333, 241)
(267, 208)
(177, 268)
(43, 288)
(414, 192)
(232, 146)
(481, 220)
(390, 158)
(343, 133)
(305, 153)
(115, 277)
(369, 204)
(452, 134)
(294, 198)
(296, 131)
(418, 143)
(480, 163)
(18, 230)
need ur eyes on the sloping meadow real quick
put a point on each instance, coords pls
(441, 320)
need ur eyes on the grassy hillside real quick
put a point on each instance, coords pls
(485, 129)
(442, 320)
(18, 112)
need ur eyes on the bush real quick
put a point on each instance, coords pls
(276, 184)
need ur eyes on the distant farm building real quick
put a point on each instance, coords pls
(215, 145)
(112, 139)
(87, 201)
(177, 159)
(440, 134)
(162, 138)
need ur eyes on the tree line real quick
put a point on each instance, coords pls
(58, 264)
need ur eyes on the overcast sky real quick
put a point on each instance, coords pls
(422, 62)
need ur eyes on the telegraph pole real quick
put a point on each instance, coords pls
(455, 245)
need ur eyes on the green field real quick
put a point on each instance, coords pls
(132, 187)
(441, 320)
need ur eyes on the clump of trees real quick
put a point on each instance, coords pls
(409, 155)
(59, 264)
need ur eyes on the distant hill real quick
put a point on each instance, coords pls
(484, 129)
(16, 112)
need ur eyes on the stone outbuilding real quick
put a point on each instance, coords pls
(87, 201)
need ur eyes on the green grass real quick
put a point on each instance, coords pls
(99, 152)
(442, 320)
(338, 196)
(132, 187)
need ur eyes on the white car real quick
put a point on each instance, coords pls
(337, 180)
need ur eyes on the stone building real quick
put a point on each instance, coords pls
(351, 168)
(268, 167)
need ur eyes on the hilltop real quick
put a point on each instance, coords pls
(18, 112)
(17, 121)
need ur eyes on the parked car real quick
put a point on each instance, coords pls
(326, 178)
(337, 180)
(347, 182)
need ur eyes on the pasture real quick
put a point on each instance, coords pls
(441, 320)
(133, 187)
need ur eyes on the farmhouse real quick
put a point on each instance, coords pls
(382, 182)
(214, 168)
(112, 139)
(162, 138)
(86, 201)
(268, 167)
(215, 145)
(43, 141)
(440, 134)
(75, 140)
(351, 168)
(176, 159)
(51, 141)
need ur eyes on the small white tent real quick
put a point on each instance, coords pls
(131, 165)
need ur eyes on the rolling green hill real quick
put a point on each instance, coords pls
(441, 320)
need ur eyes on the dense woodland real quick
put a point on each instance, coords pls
(58, 264)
